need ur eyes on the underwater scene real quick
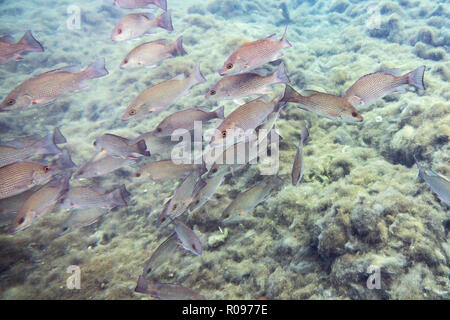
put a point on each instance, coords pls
(224, 149)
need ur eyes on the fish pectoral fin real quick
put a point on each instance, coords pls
(355, 101)
(18, 57)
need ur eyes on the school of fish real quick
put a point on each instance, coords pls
(36, 173)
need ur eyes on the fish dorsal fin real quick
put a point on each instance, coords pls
(204, 109)
(7, 39)
(164, 42)
(260, 72)
(148, 15)
(394, 72)
(309, 93)
(180, 76)
(264, 98)
(71, 69)
(272, 37)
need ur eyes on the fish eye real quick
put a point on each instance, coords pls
(137, 175)
(119, 31)
(212, 92)
(229, 66)
(174, 207)
(95, 143)
(21, 220)
(354, 114)
(132, 112)
(214, 170)
(11, 102)
(197, 201)
(125, 61)
(158, 129)
(65, 229)
(46, 169)
(224, 133)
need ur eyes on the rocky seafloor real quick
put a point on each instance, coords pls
(360, 203)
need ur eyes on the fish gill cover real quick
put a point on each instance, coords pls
(359, 208)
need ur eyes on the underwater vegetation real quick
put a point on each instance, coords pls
(369, 187)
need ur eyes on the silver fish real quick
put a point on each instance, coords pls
(149, 54)
(27, 141)
(372, 87)
(10, 155)
(182, 197)
(101, 164)
(161, 255)
(121, 147)
(249, 199)
(40, 203)
(439, 184)
(157, 145)
(10, 51)
(244, 119)
(326, 105)
(86, 197)
(166, 169)
(161, 95)
(298, 166)
(212, 183)
(18, 177)
(81, 218)
(134, 25)
(246, 84)
(188, 239)
(256, 53)
(185, 119)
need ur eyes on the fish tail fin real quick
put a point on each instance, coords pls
(220, 112)
(31, 43)
(58, 137)
(280, 76)
(117, 197)
(284, 42)
(165, 21)
(415, 78)
(46, 145)
(160, 3)
(96, 70)
(290, 95)
(178, 49)
(141, 148)
(64, 161)
(419, 166)
(142, 285)
(305, 134)
(197, 76)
